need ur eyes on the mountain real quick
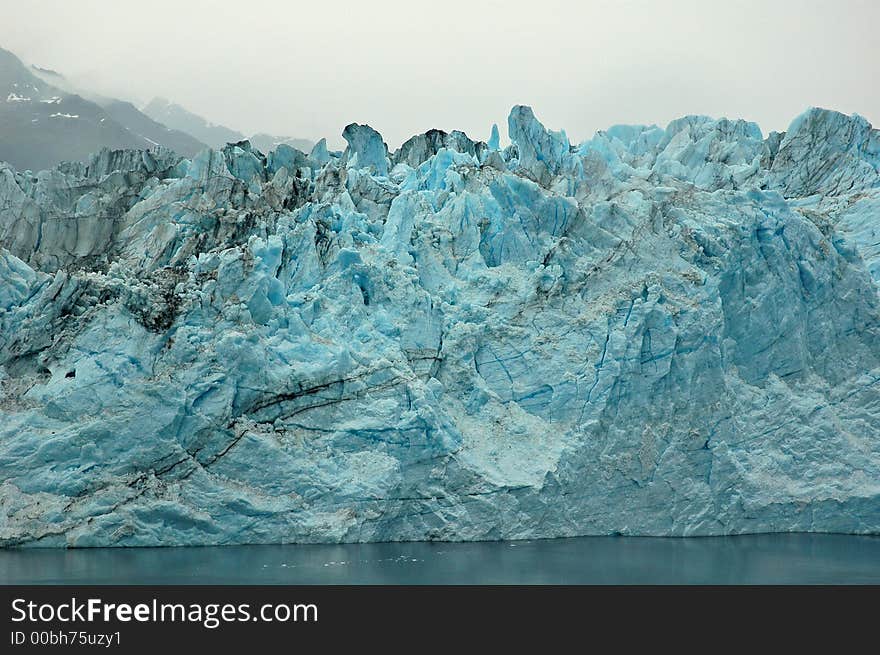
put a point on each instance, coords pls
(56, 79)
(41, 125)
(268, 142)
(153, 132)
(43, 122)
(51, 76)
(658, 331)
(178, 118)
(215, 135)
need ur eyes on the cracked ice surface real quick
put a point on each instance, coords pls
(657, 331)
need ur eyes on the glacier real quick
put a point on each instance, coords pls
(653, 332)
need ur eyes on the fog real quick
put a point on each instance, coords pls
(308, 69)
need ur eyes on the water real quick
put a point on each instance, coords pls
(755, 559)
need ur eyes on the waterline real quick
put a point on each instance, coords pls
(748, 559)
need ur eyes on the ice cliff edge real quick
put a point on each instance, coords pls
(657, 331)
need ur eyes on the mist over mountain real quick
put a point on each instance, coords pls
(43, 123)
(215, 135)
(268, 142)
(173, 115)
(46, 119)
(154, 132)
(40, 124)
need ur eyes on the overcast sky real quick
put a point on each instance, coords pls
(308, 68)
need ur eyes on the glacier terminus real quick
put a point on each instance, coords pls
(654, 332)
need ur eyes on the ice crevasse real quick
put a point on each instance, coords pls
(654, 332)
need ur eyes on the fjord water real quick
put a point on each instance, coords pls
(749, 559)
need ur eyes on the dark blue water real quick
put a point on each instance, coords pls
(756, 559)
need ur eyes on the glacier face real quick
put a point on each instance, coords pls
(657, 331)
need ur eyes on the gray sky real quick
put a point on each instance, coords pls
(308, 68)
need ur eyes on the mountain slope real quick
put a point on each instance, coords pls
(41, 125)
(178, 118)
(215, 135)
(155, 133)
(43, 122)
(269, 142)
